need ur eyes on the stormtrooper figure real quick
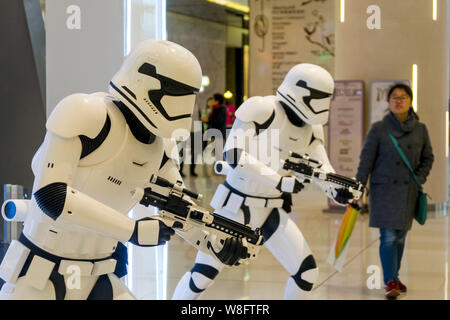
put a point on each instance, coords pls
(97, 150)
(259, 195)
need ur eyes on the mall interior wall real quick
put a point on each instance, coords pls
(85, 46)
(207, 40)
(22, 123)
(407, 35)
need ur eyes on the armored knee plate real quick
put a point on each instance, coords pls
(306, 282)
(205, 270)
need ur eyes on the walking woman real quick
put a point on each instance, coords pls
(393, 191)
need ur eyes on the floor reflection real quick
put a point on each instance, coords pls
(424, 267)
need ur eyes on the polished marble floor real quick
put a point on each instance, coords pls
(156, 271)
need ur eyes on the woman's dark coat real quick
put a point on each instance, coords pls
(392, 191)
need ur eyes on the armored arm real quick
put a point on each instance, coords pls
(241, 149)
(56, 165)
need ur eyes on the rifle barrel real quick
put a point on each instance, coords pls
(167, 184)
(337, 178)
(234, 228)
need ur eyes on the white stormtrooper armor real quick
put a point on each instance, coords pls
(98, 149)
(257, 192)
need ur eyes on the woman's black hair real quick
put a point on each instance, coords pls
(219, 98)
(408, 91)
(402, 86)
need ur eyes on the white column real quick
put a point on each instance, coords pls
(147, 266)
(84, 46)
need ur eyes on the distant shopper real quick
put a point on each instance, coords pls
(393, 191)
(231, 110)
(205, 119)
(194, 138)
(218, 116)
(206, 111)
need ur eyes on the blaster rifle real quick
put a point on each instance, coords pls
(176, 211)
(307, 170)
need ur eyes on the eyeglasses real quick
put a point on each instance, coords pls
(401, 98)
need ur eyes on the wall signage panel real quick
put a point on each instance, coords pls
(345, 128)
(378, 104)
(284, 33)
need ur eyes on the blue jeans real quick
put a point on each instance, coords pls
(392, 243)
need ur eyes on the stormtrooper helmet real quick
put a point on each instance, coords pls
(306, 90)
(158, 82)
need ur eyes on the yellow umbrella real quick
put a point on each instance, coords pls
(338, 253)
(346, 228)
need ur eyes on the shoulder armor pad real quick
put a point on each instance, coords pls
(35, 161)
(171, 149)
(101, 94)
(317, 132)
(78, 114)
(257, 109)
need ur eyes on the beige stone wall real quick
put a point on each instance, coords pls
(207, 41)
(408, 36)
(284, 33)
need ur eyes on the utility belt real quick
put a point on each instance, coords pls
(230, 199)
(25, 259)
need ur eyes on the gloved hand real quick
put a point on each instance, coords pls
(289, 184)
(232, 251)
(343, 196)
(149, 232)
(287, 202)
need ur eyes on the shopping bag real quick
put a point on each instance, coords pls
(421, 208)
